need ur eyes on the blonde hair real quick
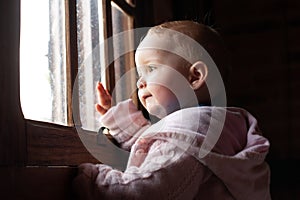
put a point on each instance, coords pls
(204, 35)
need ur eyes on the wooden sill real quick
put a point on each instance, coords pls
(55, 145)
(51, 144)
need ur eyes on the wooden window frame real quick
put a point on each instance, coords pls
(55, 145)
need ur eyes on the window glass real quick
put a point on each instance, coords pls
(93, 61)
(90, 39)
(125, 84)
(43, 61)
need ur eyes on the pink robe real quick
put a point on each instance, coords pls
(180, 157)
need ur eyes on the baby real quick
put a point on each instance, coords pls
(199, 149)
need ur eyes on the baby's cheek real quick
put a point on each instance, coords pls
(168, 99)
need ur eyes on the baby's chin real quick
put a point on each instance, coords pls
(161, 111)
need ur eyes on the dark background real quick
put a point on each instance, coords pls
(262, 38)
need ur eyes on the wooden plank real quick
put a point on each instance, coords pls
(294, 45)
(50, 144)
(260, 83)
(12, 127)
(36, 183)
(293, 7)
(294, 84)
(260, 48)
(246, 16)
(294, 110)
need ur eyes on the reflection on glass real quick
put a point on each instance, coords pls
(43, 61)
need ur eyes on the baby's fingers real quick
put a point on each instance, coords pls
(103, 96)
(100, 89)
(100, 109)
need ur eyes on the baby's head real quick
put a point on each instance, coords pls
(174, 63)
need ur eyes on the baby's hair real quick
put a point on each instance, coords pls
(206, 36)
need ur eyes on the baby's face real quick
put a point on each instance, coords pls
(162, 78)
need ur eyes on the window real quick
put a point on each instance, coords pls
(90, 36)
(43, 61)
(45, 70)
(61, 54)
(91, 58)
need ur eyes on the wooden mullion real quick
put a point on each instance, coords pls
(72, 59)
(109, 54)
(128, 9)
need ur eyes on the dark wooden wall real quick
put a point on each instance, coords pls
(263, 39)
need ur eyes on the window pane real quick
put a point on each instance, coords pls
(124, 84)
(43, 61)
(91, 55)
(90, 37)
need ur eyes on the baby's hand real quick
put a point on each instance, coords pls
(104, 99)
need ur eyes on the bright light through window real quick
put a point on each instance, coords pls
(90, 48)
(43, 61)
(90, 33)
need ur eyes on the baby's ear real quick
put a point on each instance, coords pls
(197, 74)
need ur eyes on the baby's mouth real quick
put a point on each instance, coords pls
(146, 96)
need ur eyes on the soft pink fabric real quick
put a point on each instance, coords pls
(166, 162)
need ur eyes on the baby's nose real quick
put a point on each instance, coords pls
(141, 83)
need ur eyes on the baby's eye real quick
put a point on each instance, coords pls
(151, 68)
